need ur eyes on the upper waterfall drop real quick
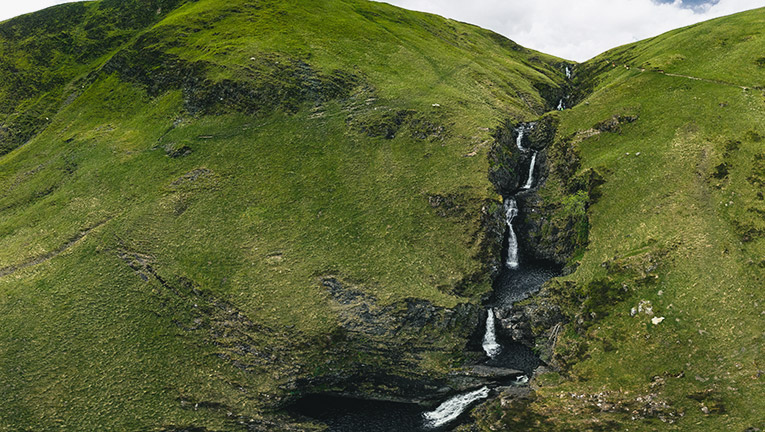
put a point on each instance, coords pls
(530, 180)
(511, 210)
(568, 73)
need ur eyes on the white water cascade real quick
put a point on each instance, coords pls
(530, 180)
(511, 210)
(453, 408)
(568, 73)
(519, 140)
(561, 107)
(490, 345)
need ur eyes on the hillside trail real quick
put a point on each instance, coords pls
(690, 77)
(39, 259)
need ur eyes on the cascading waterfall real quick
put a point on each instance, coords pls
(490, 345)
(568, 73)
(530, 180)
(453, 408)
(511, 210)
(561, 107)
(519, 140)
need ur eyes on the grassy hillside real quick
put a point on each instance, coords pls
(210, 207)
(168, 233)
(665, 308)
(42, 53)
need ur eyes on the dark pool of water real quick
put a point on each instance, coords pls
(515, 356)
(515, 285)
(343, 414)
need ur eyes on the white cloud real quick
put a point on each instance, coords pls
(576, 29)
(12, 8)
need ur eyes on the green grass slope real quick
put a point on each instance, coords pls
(165, 231)
(666, 306)
(42, 53)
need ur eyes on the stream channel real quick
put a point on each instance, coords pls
(519, 278)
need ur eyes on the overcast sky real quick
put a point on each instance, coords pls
(572, 29)
(579, 29)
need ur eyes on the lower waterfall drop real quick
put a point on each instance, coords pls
(453, 408)
(490, 345)
(511, 210)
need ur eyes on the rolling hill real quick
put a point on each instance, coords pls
(210, 208)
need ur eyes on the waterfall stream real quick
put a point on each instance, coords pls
(530, 180)
(490, 345)
(520, 283)
(511, 210)
(513, 284)
(454, 407)
(521, 130)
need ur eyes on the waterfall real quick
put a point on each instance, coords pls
(530, 180)
(490, 345)
(561, 107)
(568, 73)
(453, 408)
(519, 140)
(511, 210)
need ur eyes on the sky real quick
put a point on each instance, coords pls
(572, 29)
(12, 8)
(579, 29)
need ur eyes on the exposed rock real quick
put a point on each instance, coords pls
(192, 176)
(272, 80)
(494, 373)
(392, 337)
(386, 123)
(493, 226)
(512, 393)
(175, 150)
(535, 322)
(614, 123)
(543, 132)
(507, 164)
(447, 206)
(361, 314)
(555, 227)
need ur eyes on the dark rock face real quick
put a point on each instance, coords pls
(508, 165)
(553, 228)
(361, 314)
(547, 229)
(546, 233)
(534, 323)
(543, 132)
(551, 95)
(392, 338)
(493, 224)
